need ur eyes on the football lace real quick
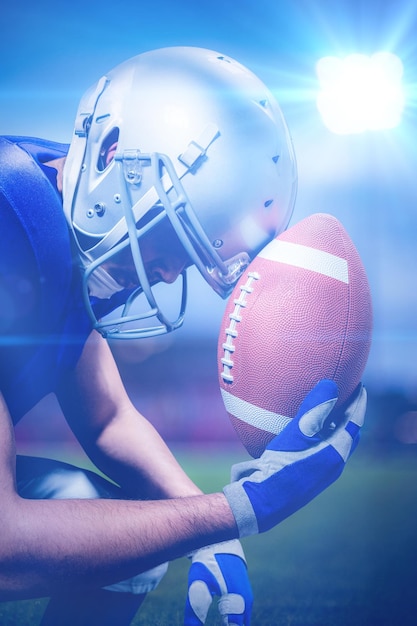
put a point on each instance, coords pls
(231, 332)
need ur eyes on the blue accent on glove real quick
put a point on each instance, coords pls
(299, 463)
(219, 570)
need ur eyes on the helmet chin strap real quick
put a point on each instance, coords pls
(101, 285)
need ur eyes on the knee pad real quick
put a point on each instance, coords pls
(142, 583)
(39, 478)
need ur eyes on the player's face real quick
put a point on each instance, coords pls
(163, 255)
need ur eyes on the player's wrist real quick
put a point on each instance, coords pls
(241, 508)
(230, 546)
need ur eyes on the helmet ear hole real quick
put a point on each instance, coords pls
(108, 149)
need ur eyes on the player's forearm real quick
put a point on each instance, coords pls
(131, 452)
(45, 544)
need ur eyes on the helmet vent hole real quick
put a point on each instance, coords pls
(102, 118)
(275, 158)
(268, 203)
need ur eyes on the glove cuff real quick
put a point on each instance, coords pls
(232, 546)
(242, 509)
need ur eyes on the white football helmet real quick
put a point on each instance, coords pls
(201, 142)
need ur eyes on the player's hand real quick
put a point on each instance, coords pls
(299, 463)
(219, 570)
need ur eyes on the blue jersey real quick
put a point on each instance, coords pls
(43, 322)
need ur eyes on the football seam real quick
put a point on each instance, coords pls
(349, 291)
(231, 331)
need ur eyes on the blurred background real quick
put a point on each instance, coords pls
(50, 56)
(362, 534)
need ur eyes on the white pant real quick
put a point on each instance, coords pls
(39, 478)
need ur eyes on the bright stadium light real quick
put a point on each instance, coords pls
(360, 92)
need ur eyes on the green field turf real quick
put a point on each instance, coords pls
(347, 559)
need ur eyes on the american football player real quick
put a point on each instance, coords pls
(179, 157)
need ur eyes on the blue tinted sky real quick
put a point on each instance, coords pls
(51, 52)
